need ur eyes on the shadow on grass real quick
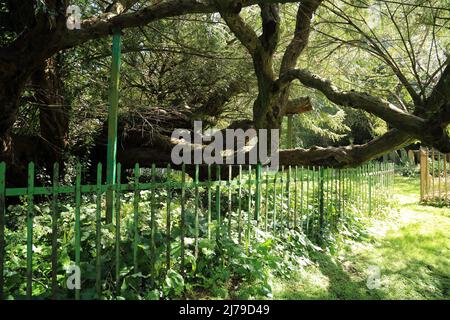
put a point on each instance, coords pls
(414, 264)
(420, 261)
(413, 258)
(339, 285)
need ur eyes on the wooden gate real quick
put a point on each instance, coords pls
(434, 177)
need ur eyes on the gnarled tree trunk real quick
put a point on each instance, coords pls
(53, 111)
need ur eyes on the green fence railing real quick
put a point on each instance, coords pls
(165, 213)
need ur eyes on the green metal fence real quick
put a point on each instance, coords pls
(162, 212)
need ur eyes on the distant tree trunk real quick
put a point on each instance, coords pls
(12, 82)
(50, 146)
(53, 111)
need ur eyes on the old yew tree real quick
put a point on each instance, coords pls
(98, 96)
(379, 69)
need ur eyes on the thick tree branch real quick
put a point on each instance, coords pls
(299, 42)
(401, 120)
(440, 96)
(97, 27)
(347, 156)
(160, 149)
(271, 27)
(245, 34)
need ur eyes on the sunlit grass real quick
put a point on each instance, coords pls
(410, 246)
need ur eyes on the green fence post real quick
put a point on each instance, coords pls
(258, 192)
(370, 171)
(117, 216)
(431, 179)
(136, 199)
(328, 189)
(336, 198)
(266, 200)
(321, 200)
(439, 201)
(274, 212)
(240, 206)
(352, 185)
(393, 179)
(334, 195)
(386, 176)
(208, 185)
(98, 231)
(344, 193)
(307, 194)
(340, 194)
(295, 196)
(112, 125)
(218, 182)
(288, 190)
(360, 189)
(168, 221)
(230, 201)
(55, 216)
(313, 182)
(30, 214)
(374, 186)
(378, 186)
(182, 220)
(302, 169)
(363, 188)
(282, 179)
(2, 226)
(196, 217)
(153, 225)
(77, 223)
(249, 207)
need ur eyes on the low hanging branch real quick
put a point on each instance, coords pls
(364, 101)
(159, 152)
(431, 129)
(347, 156)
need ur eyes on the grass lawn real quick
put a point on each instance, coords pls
(410, 247)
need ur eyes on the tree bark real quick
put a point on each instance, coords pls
(347, 156)
(53, 111)
(158, 151)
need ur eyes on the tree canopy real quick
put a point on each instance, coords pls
(359, 77)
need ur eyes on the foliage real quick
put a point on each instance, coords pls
(223, 268)
(236, 259)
